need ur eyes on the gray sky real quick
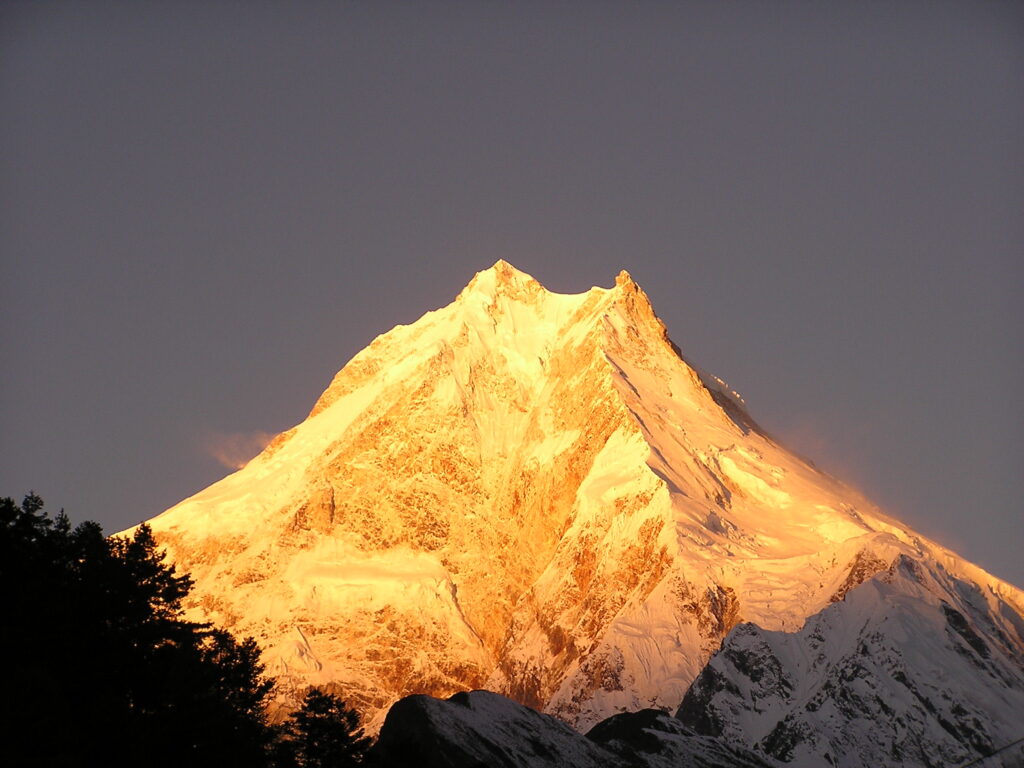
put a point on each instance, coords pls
(205, 211)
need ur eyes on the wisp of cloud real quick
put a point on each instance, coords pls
(235, 449)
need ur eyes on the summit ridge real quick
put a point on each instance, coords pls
(535, 493)
(501, 276)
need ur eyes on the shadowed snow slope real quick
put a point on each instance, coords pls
(914, 667)
(535, 493)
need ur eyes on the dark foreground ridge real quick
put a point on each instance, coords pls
(480, 728)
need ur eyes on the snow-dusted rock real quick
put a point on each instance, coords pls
(480, 728)
(650, 738)
(914, 667)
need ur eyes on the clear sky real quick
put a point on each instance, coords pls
(207, 208)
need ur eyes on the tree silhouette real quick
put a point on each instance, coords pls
(102, 668)
(324, 733)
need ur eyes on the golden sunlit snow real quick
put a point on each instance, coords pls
(529, 492)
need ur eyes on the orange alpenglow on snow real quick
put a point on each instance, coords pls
(533, 493)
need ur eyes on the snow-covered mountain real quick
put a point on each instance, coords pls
(916, 666)
(537, 494)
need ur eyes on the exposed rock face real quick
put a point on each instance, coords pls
(533, 493)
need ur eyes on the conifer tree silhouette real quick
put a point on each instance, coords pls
(324, 733)
(102, 667)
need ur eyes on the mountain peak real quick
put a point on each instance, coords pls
(506, 271)
(637, 303)
(502, 278)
